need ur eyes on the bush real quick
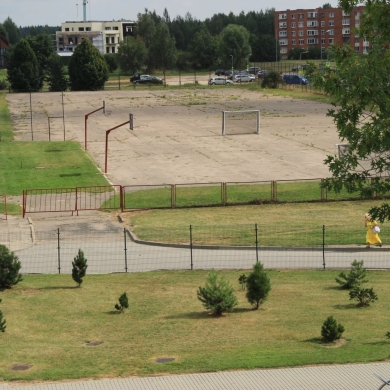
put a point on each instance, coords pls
(217, 295)
(364, 295)
(258, 286)
(331, 330)
(242, 281)
(9, 268)
(3, 84)
(2, 322)
(79, 267)
(123, 303)
(355, 277)
(271, 80)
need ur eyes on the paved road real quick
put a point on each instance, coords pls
(334, 377)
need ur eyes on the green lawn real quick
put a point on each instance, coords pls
(50, 320)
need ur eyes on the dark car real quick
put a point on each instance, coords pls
(146, 79)
(262, 74)
(135, 77)
(254, 70)
(220, 72)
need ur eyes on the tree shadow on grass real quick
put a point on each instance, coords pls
(346, 306)
(58, 288)
(114, 312)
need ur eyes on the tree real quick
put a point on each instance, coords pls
(23, 69)
(9, 268)
(217, 295)
(258, 286)
(123, 303)
(364, 296)
(42, 46)
(203, 49)
(111, 61)
(362, 109)
(55, 74)
(331, 330)
(13, 32)
(2, 321)
(3, 32)
(88, 71)
(79, 267)
(356, 276)
(242, 281)
(234, 40)
(132, 54)
(271, 80)
(146, 28)
(163, 49)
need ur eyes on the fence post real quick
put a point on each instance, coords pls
(124, 235)
(192, 264)
(257, 242)
(58, 250)
(323, 246)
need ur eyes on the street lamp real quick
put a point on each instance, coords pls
(321, 43)
(231, 55)
(300, 56)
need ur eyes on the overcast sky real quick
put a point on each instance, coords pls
(54, 12)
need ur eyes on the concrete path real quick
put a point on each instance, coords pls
(334, 377)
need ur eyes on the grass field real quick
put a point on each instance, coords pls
(50, 321)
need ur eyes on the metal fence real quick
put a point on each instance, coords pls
(192, 247)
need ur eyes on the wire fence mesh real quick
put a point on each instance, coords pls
(194, 247)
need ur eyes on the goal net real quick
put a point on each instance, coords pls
(240, 122)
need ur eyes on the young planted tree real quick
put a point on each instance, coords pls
(356, 276)
(242, 281)
(331, 330)
(55, 74)
(123, 303)
(217, 295)
(2, 321)
(79, 267)
(9, 268)
(258, 286)
(364, 296)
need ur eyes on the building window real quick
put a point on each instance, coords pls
(129, 29)
(107, 40)
(357, 23)
(66, 28)
(293, 42)
(331, 23)
(331, 41)
(300, 24)
(283, 33)
(323, 41)
(300, 16)
(107, 28)
(113, 49)
(322, 24)
(314, 23)
(301, 33)
(293, 25)
(282, 16)
(81, 28)
(107, 50)
(312, 41)
(293, 33)
(283, 42)
(345, 13)
(346, 31)
(331, 14)
(283, 25)
(88, 29)
(301, 42)
(112, 39)
(346, 22)
(283, 50)
(322, 15)
(331, 32)
(292, 16)
(312, 14)
(312, 32)
(115, 28)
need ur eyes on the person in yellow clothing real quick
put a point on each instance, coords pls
(372, 237)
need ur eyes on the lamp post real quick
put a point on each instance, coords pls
(231, 55)
(300, 56)
(321, 43)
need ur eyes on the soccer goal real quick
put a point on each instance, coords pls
(240, 122)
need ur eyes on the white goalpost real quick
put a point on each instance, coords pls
(241, 122)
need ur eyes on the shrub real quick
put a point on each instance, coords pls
(258, 286)
(355, 277)
(3, 84)
(79, 267)
(364, 295)
(331, 330)
(271, 80)
(217, 295)
(9, 268)
(123, 303)
(2, 322)
(242, 281)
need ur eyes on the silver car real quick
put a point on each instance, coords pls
(219, 81)
(240, 78)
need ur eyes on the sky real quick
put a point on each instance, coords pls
(54, 12)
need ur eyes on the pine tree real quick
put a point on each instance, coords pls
(9, 268)
(217, 295)
(79, 267)
(123, 303)
(258, 286)
(356, 276)
(331, 330)
(2, 322)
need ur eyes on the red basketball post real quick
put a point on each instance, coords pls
(109, 131)
(86, 119)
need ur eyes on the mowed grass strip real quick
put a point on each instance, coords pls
(44, 164)
(50, 321)
(286, 224)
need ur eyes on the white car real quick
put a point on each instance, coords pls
(220, 81)
(241, 78)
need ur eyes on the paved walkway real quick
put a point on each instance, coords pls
(334, 377)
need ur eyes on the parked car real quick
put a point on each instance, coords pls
(254, 70)
(220, 81)
(262, 74)
(243, 78)
(296, 68)
(146, 79)
(222, 72)
(135, 77)
(294, 78)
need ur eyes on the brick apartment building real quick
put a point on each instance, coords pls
(305, 28)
